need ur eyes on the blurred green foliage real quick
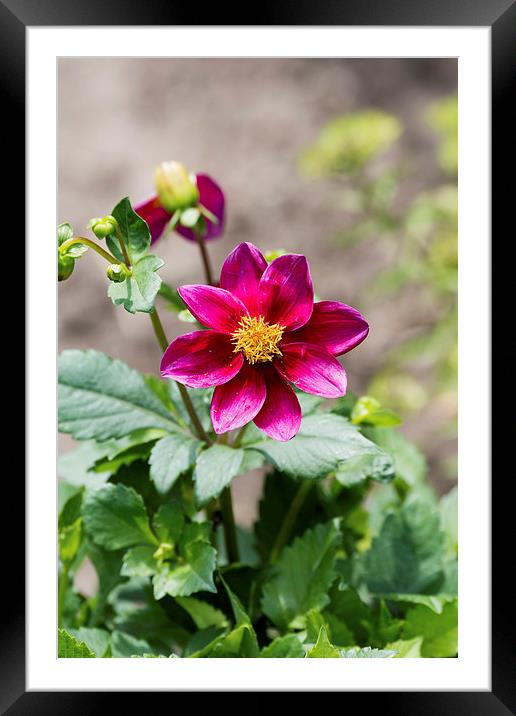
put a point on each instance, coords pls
(415, 233)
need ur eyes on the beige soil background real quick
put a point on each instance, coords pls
(243, 121)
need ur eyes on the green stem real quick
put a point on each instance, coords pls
(204, 256)
(190, 409)
(228, 517)
(290, 518)
(208, 214)
(121, 241)
(92, 245)
(171, 224)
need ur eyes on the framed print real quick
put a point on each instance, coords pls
(252, 397)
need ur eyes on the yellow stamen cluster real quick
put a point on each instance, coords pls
(257, 339)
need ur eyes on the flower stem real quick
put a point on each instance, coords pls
(92, 245)
(240, 435)
(204, 256)
(190, 409)
(121, 241)
(289, 521)
(228, 519)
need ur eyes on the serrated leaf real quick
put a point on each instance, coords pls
(323, 444)
(169, 522)
(214, 470)
(69, 647)
(434, 602)
(378, 466)
(194, 576)
(115, 517)
(70, 538)
(202, 613)
(170, 458)
(133, 228)
(439, 631)
(97, 640)
(323, 648)
(139, 562)
(102, 398)
(302, 576)
(367, 653)
(284, 647)
(407, 555)
(137, 293)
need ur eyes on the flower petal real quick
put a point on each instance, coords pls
(212, 198)
(312, 369)
(201, 359)
(241, 274)
(155, 216)
(213, 307)
(280, 416)
(286, 293)
(236, 402)
(334, 326)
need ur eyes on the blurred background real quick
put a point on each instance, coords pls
(351, 162)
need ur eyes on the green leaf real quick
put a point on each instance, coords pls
(448, 507)
(348, 613)
(323, 649)
(103, 398)
(302, 576)
(407, 555)
(439, 631)
(202, 613)
(323, 444)
(133, 228)
(169, 522)
(171, 296)
(377, 465)
(124, 646)
(368, 410)
(406, 648)
(70, 538)
(194, 576)
(139, 562)
(284, 647)
(409, 462)
(137, 293)
(64, 233)
(170, 458)
(98, 640)
(434, 602)
(214, 470)
(115, 517)
(367, 653)
(74, 466)
(69, 647)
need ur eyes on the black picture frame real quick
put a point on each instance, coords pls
(500, 16)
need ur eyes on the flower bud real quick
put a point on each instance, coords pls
(65, 266)
(175, 187)
(118, 273)
(103, 227)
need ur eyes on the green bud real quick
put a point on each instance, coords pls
(65, 266)
(118, 273)
(274, 254)
(175, 187)
(164, 550)
(103, 227)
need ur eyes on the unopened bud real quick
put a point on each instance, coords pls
(65, 266)
(176, 188)
(118, 273)
(103, 227)
(164, 550)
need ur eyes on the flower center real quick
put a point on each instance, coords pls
(257, 339)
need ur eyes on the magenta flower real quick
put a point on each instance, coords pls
(211, 197)
(264, 332)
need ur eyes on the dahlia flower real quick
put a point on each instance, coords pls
(264, 332)
(210, 196)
